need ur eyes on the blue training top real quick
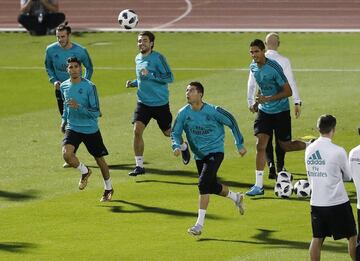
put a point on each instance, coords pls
(153, 88)
(56, 61)
(85, 118)
(271, 80)
(204, 129)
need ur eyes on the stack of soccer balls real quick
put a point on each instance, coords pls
(284, 188)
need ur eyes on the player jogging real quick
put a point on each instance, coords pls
(56, 58)
(203, 125)
(273, 110)
(80, 124)
(153, 75)
(272, 43)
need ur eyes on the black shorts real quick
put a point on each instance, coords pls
(207, 170)
(93, 142)
(336, 221)
(278, 122)
(161, 114)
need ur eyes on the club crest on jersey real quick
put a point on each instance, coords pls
(80, 91)
(315, 159)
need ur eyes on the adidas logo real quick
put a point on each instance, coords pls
(315, 159)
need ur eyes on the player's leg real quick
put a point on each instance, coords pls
(142, 116)
(283, 133)
(280, 156)
(203, 201)
(163, 117)
(59, 101)
(270, 158)
(315, 248)
(71, 143)
(352, 248)
(263, 128)
(95, 145)
(108, 189)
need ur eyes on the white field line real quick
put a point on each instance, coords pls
(83, 29)
(187, 11)
(109, 68)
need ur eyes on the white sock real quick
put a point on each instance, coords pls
(259, 174)
(201, 217)
(107, 184)
(183, 146)
(232, 196)
(139, 161)
(83, 169)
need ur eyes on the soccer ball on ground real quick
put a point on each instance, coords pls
(283, 189)
(284, 176)
(302, 189)
(128, 19)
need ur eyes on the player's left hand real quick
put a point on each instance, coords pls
(242, 151)
(262, 99)
(144, 72)
(72, 104)
(177, 152)
(297, 111)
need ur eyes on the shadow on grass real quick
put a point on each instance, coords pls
(15, 196)
(140, 208)
(16, 247)
(264, 237)
(167, 182)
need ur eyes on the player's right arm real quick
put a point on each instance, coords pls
(176, 133)
(88, 65)
(64, 114)
(344, 165)
(50, 70)
(251, 93)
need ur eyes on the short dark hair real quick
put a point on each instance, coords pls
(326, 123)
(150, 35)
(73, 60)
(199, 87)
(259, 43)
(63, 27)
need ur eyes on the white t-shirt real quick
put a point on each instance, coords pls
(286, 66)
(326, 167)
(354, 160)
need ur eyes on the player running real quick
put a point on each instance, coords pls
(80, 124)
(203, 125)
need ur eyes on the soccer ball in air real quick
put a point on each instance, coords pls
(128, 19)
(302, 189)
(283, 189)
(284, 176)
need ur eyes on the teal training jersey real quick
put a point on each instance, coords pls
(204, 129)
(270, 79)
(85, 118)
(56, 61)
(153, 88)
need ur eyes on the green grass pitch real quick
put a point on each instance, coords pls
(45, 217)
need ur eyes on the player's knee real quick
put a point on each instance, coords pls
(204, 188)
(138, 133)
(167, 132)
(260, 147)
(67, 155)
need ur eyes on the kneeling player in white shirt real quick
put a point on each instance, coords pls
(327, 167)
(354, 159)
